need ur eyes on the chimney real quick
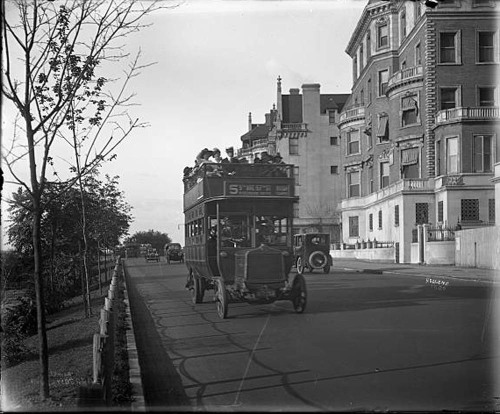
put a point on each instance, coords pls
(249, 121)
(311, 102)
(294, 91)
(278, 99)
(268, 119)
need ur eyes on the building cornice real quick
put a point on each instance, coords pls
(370, 12)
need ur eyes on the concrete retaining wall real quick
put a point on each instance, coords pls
(381, 254)
(478, 247)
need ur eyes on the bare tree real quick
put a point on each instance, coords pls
(52, 53)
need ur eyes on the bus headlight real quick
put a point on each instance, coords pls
(223, 254)
(285, 253)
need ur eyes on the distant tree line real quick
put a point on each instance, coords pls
(153, 237)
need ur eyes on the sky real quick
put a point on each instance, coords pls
(214, 62)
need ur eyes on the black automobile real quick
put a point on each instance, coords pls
(312, 251)
(152, 256)
(174, 252)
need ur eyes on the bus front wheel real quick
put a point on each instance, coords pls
(221, 299)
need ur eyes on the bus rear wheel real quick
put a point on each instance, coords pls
(196, 288)
(299, 294)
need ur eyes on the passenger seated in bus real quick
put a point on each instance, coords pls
(212, 251)
(213, 170)
(230, 159)
(230, 156)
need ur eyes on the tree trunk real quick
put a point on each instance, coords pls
(40, 304)
(99, 267)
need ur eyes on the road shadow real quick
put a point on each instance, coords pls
(161, 383)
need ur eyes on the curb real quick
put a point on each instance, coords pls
(418, 273)
(138, 403)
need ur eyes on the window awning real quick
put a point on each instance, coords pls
(409, 156)
(382, 127)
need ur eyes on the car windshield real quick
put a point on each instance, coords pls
(319, 239)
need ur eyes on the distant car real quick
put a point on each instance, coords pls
(312, 251)
(152, 256)
(174, 252)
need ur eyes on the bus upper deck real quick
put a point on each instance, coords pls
(238, 180)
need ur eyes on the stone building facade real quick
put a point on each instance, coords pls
(420, 131)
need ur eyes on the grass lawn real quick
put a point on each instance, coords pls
(70, 341)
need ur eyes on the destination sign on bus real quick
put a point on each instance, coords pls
(257, 190)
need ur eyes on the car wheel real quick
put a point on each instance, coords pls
(221, 299)
(300, 266)
(299, 294)
(318, 259)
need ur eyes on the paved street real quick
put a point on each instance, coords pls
(387, 340)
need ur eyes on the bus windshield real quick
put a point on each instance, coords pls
(246, 230)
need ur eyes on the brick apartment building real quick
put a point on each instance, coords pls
(419, 133)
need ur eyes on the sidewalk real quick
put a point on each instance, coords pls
(465, 273)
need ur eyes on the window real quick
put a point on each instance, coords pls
(403, 24)
(421, 213)
(369, 90)
(293, 146)
(353, 184)
(448, 47)
(384, 174)
(371, 188)
(331, 116)
(368, 45)
(380, 219)
(355, 68)
(383, 128)
(334, 140)
(353, 142)
(486, 96)
(403, 65)
(439, 151)
(353, 226)
(382, 35)
(296, 175)
(295, 211)
(409, 163)
(486, 47)
(482, 153)
(396, 215)
(418, 10)
(361, 57)
(448, 98)
(418, 55)
(452, 155)
(409, 110)
(469, 209)
(334, 169)
(491, 210)
(440, 211)
(370, 221)
(362, 96)
(383, 79)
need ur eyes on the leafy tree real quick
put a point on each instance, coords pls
(52, 53)
(153, 237)
(108, 214)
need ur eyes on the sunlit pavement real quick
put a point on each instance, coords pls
(367, 341)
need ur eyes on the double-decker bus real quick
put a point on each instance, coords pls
(238, 234)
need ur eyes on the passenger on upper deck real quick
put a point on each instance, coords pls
(230, 155)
